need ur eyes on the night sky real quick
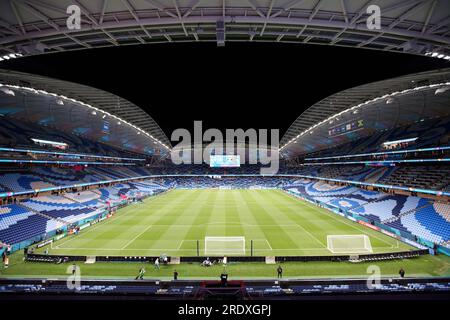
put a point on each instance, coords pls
(241, 85)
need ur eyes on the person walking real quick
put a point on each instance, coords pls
(140, 276)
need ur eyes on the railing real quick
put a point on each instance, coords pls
(68, 154)
(381, 153)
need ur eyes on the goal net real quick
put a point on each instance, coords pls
(224, 246)
(349, 244)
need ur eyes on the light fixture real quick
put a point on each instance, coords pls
(438, 55)
(7, 91)
(10, 56)
(441, 90)
(94, 113)
(60, 102)
(390, 100)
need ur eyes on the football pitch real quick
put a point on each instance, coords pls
(174, 223)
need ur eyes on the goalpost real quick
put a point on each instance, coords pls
(349, 244)
(224, 246)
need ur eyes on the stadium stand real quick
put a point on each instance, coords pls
(17, 133)
(421, 217)
(36, 216)
(425, 177)
(23, 182)
(374, 143)
(18, 224)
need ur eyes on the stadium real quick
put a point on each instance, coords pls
(99, 199)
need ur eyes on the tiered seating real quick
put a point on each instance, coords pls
(145, 186)
(108, 174)
(62, 208)
(323, 189)
(390, 207)
(425, 177)
(430, 222)
(46, 177)
(17, 133)
(330, 172)
(357, 173)
(108, 193)
(356, 199)
(379, 174)
(18, 224)
(57, 176)
(374, 142)
(139, 171)
(23, 182)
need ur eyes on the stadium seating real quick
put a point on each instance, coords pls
(18, 224)
(17, 133)
(23, 182)
(374, 142)
(421, 217)
(59, 207)
(42, 214)
(425, 177)
(390, 207)
(431, 222)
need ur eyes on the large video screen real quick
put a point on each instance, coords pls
(224, 161)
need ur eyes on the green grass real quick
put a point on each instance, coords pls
(417, 267)
(278, 224)
(172, 222)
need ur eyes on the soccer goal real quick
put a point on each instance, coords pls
(223, 246)
(349, 244)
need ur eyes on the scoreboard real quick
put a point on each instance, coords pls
(346, 127)
(224, 161)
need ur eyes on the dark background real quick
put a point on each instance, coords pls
(241, 85)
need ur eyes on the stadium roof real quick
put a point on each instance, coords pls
(84, 110)
(38, 26)
(364, 109)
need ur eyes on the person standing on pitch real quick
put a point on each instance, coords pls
(74, 269)
(279, 272)
(6, 262)
(175, 275)
(157, 263)
(141, 274)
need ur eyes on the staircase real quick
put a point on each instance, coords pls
(370, 201)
